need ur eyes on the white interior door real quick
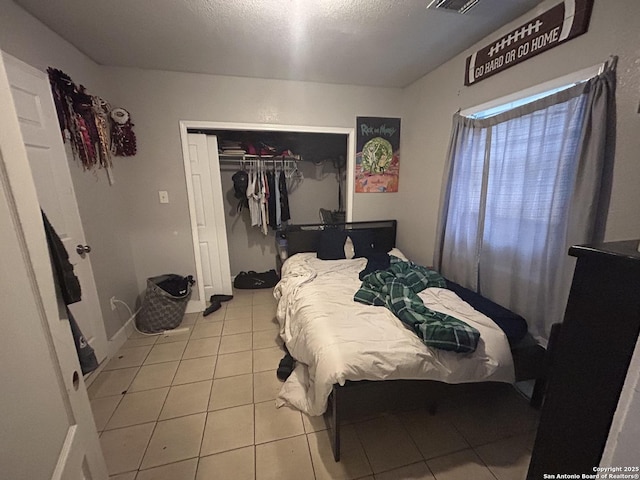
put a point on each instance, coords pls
(50, 169)
(47, 427)
(206, 188)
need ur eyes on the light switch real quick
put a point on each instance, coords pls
(164, 196)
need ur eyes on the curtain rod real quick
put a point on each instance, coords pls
(579, 76)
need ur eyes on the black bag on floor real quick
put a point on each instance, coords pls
(253, 279)
(165, 302)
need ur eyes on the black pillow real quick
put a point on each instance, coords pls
(362, 242)
(331, 244)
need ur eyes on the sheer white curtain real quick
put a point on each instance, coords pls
(520, 188)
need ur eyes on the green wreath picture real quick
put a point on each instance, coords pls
(377, 155)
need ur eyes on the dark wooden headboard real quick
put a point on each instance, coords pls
(305, 238)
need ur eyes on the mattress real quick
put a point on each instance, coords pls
(335, 339)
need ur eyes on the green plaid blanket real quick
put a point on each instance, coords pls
(396, 288)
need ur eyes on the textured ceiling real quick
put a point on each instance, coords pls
(387, 43)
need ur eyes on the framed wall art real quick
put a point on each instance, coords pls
(377, 155)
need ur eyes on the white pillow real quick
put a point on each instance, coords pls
(397, 253)
(349, 251)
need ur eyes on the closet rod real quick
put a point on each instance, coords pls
(289, 166)
(242, 158)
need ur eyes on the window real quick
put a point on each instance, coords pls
(517, 180)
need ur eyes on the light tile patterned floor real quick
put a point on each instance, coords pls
(200, 406)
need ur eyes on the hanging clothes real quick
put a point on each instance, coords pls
(271, 182)
(69, 287)
(265, 191)
(253, 197)
(240, 185)
(277, 195)
(264, 196)
(63, 269)
(284, 199)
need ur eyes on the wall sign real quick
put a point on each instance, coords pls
(557, 25)
(377, 154)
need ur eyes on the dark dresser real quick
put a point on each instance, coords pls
(590, 359)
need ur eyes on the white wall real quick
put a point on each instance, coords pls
(132, 235)
(135, 237)
(28, 39)
(158, 100)
(103, 209)
(431, 102)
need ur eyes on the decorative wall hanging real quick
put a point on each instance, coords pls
(123, 140)
(89, 123)
(377, 154)
(557, 25)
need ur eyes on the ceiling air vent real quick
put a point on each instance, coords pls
(459, 6)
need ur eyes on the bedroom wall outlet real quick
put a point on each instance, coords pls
(164, 196)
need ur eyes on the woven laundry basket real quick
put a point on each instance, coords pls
(164, 304)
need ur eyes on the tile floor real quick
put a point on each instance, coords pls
(201, 406)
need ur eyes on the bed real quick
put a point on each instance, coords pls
(349, 354)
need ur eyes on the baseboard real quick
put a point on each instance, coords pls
(113, 345)
(121, 336)
(197, 306)
(194, 306)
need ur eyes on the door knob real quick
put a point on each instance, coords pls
(82, 249)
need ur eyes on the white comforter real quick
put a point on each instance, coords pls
(335, 339)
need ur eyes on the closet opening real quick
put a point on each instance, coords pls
(314, 163)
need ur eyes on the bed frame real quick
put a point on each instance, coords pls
(531, 361)
(305, 238)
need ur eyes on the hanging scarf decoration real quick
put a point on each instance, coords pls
(123, 140)
(103, 127)
(87, 123)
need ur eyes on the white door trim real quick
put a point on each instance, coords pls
(185, 125)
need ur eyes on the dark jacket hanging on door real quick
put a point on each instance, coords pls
(71, 293)
(62, 268)
(86, 355)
